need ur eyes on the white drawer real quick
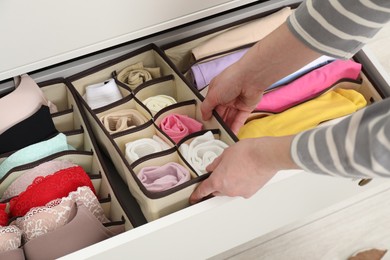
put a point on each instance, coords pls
(42, 33)
(213, 226)
(219, 224)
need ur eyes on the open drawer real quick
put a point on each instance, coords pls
(218, 224)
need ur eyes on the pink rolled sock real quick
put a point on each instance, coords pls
(178, 126)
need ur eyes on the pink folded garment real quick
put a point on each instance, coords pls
(308, 86)
(161, 178)
(178, 126)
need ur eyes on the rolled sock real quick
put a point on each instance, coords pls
(44, 169)
(144, 146)
(156, 103)
(136, 74)
(161, 178)
(102, 94)
(308, 86)
(35, 152)
(202, 151)
(122, 120)
(163, 144)
(177, 126)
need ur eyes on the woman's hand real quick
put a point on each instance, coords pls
(233, 96)
(236, 91)
(242, 169)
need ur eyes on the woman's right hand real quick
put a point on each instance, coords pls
(232, 95)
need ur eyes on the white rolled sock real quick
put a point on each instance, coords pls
(158, 102)
(102, 94)
(145, 146)
(202, 151)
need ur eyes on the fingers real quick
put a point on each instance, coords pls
(209, 103)
(211, 167)
(238, 121)
(204, 189)
(207, 187)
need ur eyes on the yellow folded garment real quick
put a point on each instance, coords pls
(330, 105)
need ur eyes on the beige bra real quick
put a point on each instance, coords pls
(82, 231)
(57, 213)
(24, 101)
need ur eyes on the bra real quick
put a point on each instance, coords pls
(24, 101)
(57, 213)
(82, 231)
(10, 238)
(3, 215)
(35, 152)
(51, 187)
(44, 169)
(19, 135)
(15, 254)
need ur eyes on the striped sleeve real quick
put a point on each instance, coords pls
(358, 146)
(338, 28)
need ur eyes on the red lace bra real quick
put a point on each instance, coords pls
(3, 215)
(48, 188)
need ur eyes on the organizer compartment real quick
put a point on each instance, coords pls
(59, 93)
(153, 205)
(148, 132)
(71, 121)
(118, 220)
(161, 203)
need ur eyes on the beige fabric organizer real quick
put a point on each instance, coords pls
(70, 120)
(153, 205)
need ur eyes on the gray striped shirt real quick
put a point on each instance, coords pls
(358, 146)
(339, 28)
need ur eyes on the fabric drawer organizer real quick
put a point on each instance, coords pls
(154, 202)
(200, 57)
(82, 229)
